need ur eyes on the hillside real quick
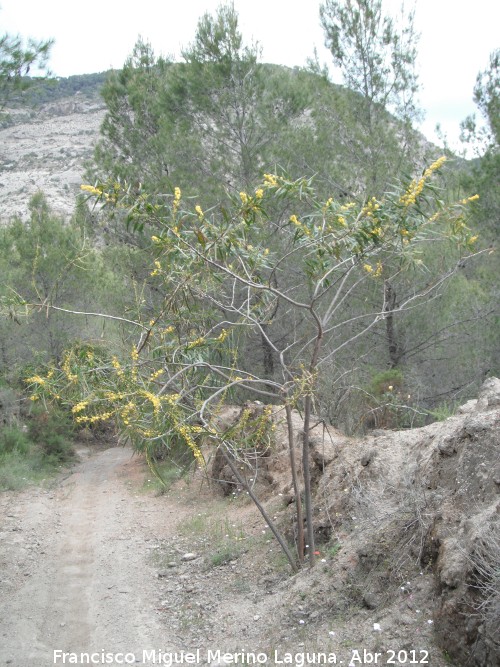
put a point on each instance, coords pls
(44, 142)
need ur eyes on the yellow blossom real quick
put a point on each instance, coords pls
(244, 198)
(177, 199)
(259, 193)
(223, 335)
(113, 395)
(153, 399)
(94, 418)
(368, 268)
(157, 268)
(116, 365)
(171, 399)
(294, 220)
(195, 343)
(79, 407)
(67, 369)
(415, 188)
(185, 431)
(199, 211)
(91, 189)
(36, 379)
(270, 180)
(371, 206)
(468, 199)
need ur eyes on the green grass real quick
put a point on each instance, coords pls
(166, 475)
(227, 539)
(19, 471)
(34, 453)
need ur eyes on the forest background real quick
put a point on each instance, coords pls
(246, 231)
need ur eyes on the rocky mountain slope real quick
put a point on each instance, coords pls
(45, 149)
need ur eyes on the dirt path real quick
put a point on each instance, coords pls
(75, 573)
(97, 564)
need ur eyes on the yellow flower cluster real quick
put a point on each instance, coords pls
(377, 272)
(177, 199)
(195, 343)
(347, 207)
(114, 395)
(116, 365)
(154, 376)
(259, 193)
(199, 211)
(35, 379)
(171, 399)
(153, 399)
(295, 221)
(270, 180)
(186, 433)
(327, 204)
(91, 189)
(469, 199)
(127, 411)
(67, 369)
(79, 407)
(244, 198)
(371, 207)
(157, 268)
(223, 335)
(94, 418)
(415, 188)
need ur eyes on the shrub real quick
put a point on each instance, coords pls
(13, 440)
(52, 431)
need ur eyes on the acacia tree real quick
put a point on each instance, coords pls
(169, 386)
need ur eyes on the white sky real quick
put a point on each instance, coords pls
(457, 37)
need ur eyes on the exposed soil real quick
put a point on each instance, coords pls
(95, 563)
(46, 150)
(99, 563)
